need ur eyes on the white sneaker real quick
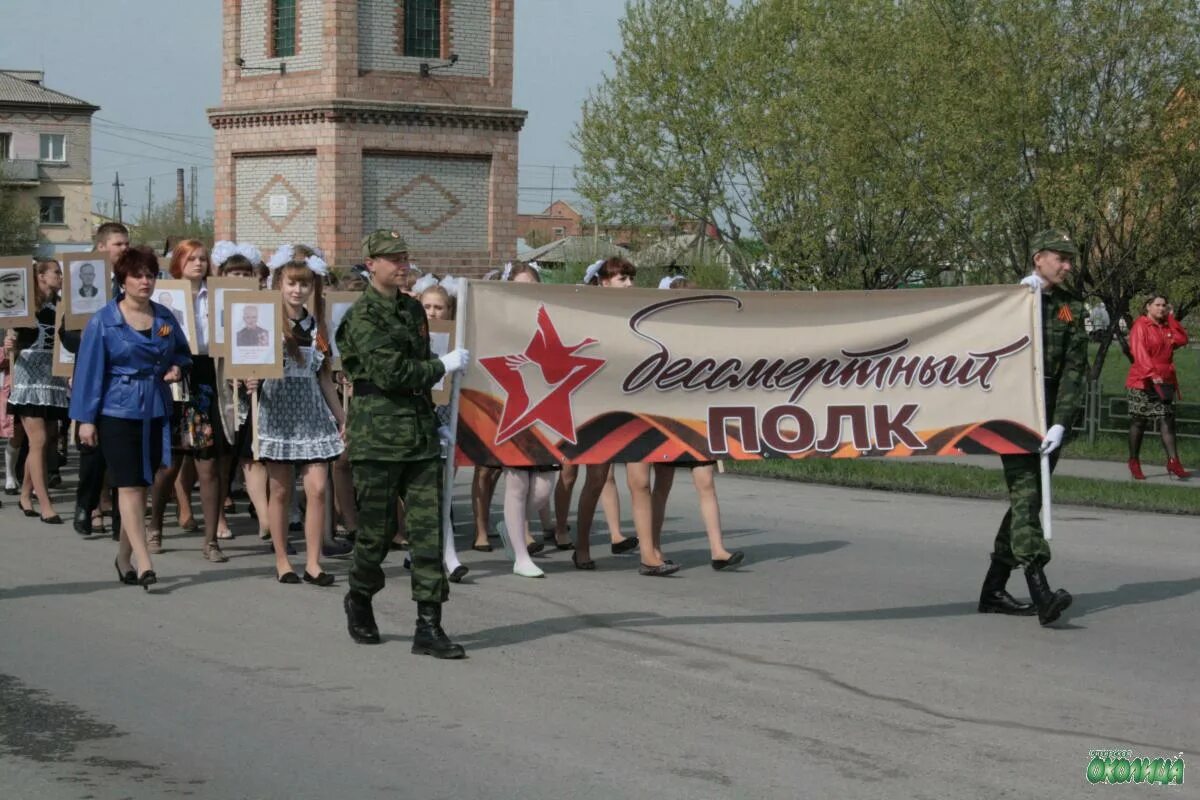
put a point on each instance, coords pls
(528, 571)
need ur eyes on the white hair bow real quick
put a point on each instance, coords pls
(286, 254)
(250, 253)
(536, 267)
(507, 273)
(666, 282)
(317, 265)
(451, 284)
(221, 252)
(423, 284)
(282, 255)
(592, 271)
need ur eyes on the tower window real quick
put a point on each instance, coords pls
(423, 28)
(283, 28)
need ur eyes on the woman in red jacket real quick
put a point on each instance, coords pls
(1152, 385)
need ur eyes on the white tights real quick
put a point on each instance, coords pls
(525, 494)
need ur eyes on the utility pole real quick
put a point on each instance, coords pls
(117, 195)
(552, 170)
(195, 196)
(149, 200)
(180, 199)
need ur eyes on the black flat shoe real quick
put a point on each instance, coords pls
(147, 579)
(735, 558)
(624, 546)
(289, 577)
(459, 573)
(55, 520)
(337, 549)
(567, 546)
(482, 548)
(661, 571)
(535, 548)
(128, 577)
(12, 492)
(320, 579)
(584, 565)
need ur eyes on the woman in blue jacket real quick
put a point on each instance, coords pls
(130, 350)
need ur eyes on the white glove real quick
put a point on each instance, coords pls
(444, 433)
(1053, 439)
(456, 360)
(1032, 281)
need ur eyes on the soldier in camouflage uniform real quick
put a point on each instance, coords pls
(1064, 360)
(393, 443)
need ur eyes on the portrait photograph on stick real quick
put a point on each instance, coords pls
(218, 288)
(176, 297)
(87, 287)
(64, 360)
(336, 306)
(253, 335)
(16, 283)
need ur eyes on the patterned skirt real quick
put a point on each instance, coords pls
(294, 422)
(35, 391)
(1148, 405)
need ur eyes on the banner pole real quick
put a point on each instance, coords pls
(254, 425)
(1044, 458)
(460, 332)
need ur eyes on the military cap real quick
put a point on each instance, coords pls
(10, 277)
(384, 243)
(1053, 239)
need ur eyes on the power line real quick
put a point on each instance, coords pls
(125, 138)
(148, 130)
(143, 156)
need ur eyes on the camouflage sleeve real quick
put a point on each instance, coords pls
(381, 363)
(1071, 384)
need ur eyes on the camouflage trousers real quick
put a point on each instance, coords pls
(378, 485)
(1020, 541)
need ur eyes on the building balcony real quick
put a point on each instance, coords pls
(19, 171)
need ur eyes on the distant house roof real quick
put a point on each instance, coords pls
(686, 250)
(24, 87)
(576, 249)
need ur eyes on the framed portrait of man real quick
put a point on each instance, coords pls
(176, 297)
(218, 291)
(441, 341)
(63, 365)
(336, 306)
(87, 287)
(253, 334)
(16, 292)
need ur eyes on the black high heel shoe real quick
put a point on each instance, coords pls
(147, 579)
(29, 512)
(128, 577)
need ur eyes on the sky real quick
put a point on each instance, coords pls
(153, 67)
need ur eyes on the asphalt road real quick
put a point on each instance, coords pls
(845, 660)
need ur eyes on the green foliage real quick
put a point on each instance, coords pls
(874, 144)
(161, 224)
(18, 223)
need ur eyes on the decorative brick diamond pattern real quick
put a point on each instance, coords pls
(257, 180)
(424, 203)
(278, 186)
(439, 204)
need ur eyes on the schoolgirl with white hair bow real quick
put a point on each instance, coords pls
(300, 419)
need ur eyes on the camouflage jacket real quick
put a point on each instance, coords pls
(386, 342)
(1064, 355)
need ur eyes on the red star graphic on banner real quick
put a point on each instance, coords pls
(562, 371)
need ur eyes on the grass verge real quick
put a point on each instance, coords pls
(961, 480)
(1115, 447)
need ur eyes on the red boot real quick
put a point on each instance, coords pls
(1135, 469)
(1176, 468)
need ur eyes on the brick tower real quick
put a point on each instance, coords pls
(343, 116)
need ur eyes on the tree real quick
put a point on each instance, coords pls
(18, 222)
(161, 224)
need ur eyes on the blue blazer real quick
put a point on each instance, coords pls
(118, 371)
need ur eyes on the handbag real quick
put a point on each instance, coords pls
(1165, 391)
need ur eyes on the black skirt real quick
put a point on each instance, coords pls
(37, 412)
(121, 444)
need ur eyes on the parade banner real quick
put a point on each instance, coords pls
(589, 375)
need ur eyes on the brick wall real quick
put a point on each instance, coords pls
(255, 40)
(436, 203)
(468, 24)
(276, 199)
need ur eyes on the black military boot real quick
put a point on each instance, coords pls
(360, 619)
(430, 639)
(1050, 605)
(993, 599)
(83, 521)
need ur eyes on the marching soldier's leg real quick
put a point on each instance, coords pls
(1029, 545)
(430, 588)
(375, 484)
(993, 597)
